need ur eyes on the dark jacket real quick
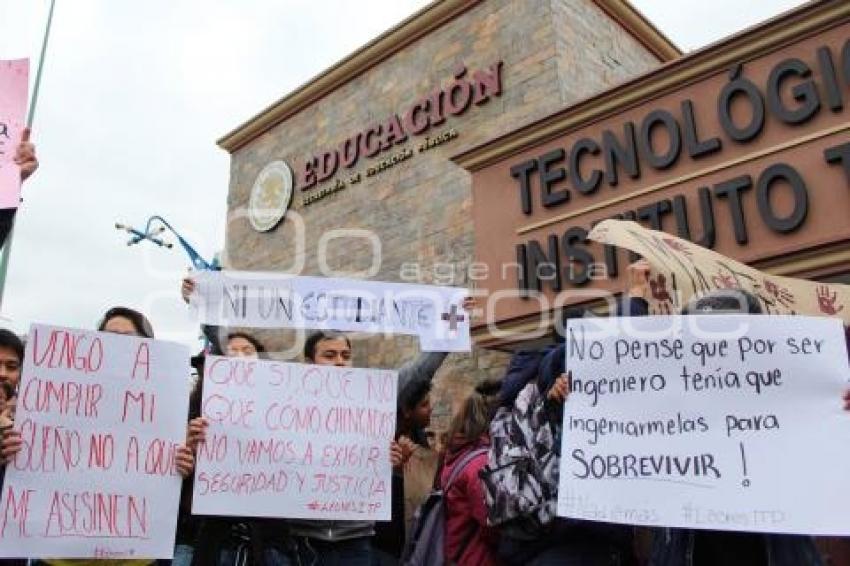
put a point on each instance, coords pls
(568, 541)
(677, 547)
(522, 369)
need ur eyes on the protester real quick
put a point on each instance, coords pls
(533, 390)
(414, 386)
(117, 320)
(25, 159)
(123, 320)
(220, 541)
(589, 543)
(414, 415)
(420, 455)
(11, 357)
(468, 538)
(243, 345)
(327, 542)
(11, 360)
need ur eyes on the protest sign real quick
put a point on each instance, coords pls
(295, 441)
(707, 422)
(265, 300)
(682, 269)
(14, 85)
(100, 416)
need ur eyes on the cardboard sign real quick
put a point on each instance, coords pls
(100, 416)
(265, 300)
(295, 441)
(14, 86)
(682, 270)
(707, 422)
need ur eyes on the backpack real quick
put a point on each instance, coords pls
(426, 544)
(521, 477)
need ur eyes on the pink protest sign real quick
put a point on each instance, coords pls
(14, 83)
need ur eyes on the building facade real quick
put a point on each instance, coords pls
(369, 141)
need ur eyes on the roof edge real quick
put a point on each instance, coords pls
(641, 28)
(741, 46)
(378, 49)
(399, 36)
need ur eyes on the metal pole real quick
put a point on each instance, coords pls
(7, 248)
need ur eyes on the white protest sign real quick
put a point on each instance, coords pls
(295, 440)
(266, 300)
(708, 422)
(100, 416)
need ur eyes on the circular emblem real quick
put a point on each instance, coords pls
(270, 196)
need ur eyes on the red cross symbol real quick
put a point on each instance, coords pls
(453, 317)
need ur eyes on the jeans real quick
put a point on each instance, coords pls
(313, 552)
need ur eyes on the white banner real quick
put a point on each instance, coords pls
(100, 416)
(295, 441)
(267, 300)
(708, 422)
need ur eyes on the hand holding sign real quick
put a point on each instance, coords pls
(682, 270)
(268, 300)
(295, 441)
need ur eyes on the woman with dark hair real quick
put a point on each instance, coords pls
(11, 360)
(468, 538)
(243, 345)
(123, 320)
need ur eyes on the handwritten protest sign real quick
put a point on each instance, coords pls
(100, 416)
(681, 269)
(265, 300)
(708, 422)
(295, 440)
(14, 85)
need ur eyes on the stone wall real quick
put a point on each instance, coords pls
(555, 52)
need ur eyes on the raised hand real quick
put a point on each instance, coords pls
(25, 156)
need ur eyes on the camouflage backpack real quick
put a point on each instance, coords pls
(521, 477)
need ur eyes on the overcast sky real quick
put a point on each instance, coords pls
(134, 95)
